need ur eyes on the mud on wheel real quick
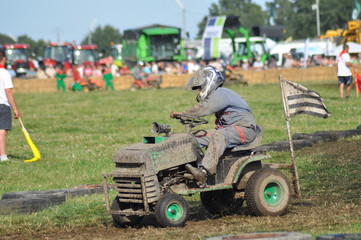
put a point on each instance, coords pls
(171, 210)
(120, 220)
(267, 193)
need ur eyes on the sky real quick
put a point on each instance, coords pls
(72, 20)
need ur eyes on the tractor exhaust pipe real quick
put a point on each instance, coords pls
(158, 128)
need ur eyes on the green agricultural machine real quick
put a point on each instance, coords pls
(153, 43)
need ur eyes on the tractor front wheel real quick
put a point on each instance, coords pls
(267, 193)
(171, 210)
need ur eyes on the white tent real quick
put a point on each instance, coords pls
(354, 48)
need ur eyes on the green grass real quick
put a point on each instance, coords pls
(77, 134)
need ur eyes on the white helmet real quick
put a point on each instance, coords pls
(207, 79)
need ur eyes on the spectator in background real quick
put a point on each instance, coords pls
(289, 61)
(114, 69)
(88, 70)
(31, 74)
(108, 79)
(272, 64)
(258, 65)
(344, 73)
(245, 65)
(124, 70)
(7, 102)
(192, 66)
(184, 67)
(60, 76)
(154, 68)
(80, 69)
(50, 71)
(40, 74)
(97, 72)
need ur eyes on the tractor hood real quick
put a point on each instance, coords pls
(176, 150)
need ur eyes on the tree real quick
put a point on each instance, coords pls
(250, 14)
(103, 37)
(300, 20)
(36, 47)
(5, 39)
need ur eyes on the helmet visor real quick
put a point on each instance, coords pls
(196, 80)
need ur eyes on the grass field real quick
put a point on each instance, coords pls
(77, 134)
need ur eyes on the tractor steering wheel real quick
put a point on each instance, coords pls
(190, 121)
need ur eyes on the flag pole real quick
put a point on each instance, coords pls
(295, 180)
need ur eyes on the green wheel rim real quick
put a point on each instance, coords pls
(174, 212)
(273, 194)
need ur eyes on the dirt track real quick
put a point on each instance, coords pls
(329, 202)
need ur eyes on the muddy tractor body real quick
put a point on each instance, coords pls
(151, 178)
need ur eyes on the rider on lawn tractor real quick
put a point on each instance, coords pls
(235, 124)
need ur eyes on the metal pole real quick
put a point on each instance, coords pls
(184, 23)
(180, 4)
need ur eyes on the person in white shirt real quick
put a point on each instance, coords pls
(7, 102)
(344, 73)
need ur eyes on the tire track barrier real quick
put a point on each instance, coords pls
(24, 202)
(302, 140)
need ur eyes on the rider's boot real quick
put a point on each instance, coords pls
(199, 174)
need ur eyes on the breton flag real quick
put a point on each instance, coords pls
(298, 99)
(212, 36)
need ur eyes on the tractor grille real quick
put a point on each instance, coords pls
(130, 189)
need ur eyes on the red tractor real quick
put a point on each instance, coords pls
(17, 55)
(57, 55)
(84, 54)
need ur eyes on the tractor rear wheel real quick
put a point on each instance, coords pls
(120, 220)
(221, 201)
(171, 210)
(267, 193)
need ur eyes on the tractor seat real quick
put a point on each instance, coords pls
(256, 141)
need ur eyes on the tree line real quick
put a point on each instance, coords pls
(296, 16)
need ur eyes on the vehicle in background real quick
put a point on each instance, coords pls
(81, 54)
(17, 55)
(152, 43)
(57, 55)
(297, 49)
(116, 53)
(247, 48)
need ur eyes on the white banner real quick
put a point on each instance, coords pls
(211, 36)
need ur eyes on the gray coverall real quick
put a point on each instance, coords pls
(235, 125)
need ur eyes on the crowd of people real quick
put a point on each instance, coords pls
(100, 74)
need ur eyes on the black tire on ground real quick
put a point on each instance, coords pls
(30, 204)
(340, 236)
(221, 202)
(171, 210)
(266, 236)
(267, 193)
(122, 220)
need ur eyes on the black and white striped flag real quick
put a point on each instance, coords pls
(299, 99)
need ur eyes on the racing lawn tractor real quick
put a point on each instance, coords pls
(151, 178)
